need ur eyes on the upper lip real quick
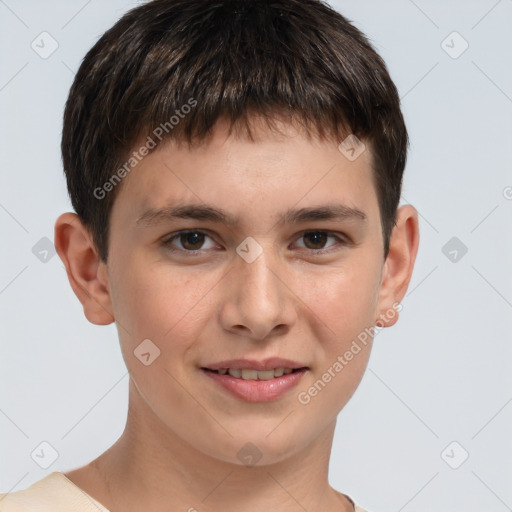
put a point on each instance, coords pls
(252, 364)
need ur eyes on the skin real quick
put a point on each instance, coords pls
(179, 448)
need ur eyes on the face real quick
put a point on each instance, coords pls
(293, 270)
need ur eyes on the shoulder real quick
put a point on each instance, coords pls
(54, 493)
(351, 501)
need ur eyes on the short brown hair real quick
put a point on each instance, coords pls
(234, 59)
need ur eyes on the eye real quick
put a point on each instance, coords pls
(190, 241)
(316, 240)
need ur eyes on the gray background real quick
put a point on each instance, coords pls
(442, 374)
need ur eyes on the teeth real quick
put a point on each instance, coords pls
(265, 375)
(249, 374)
(254, 374)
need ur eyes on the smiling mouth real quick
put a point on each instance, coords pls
(246, 374)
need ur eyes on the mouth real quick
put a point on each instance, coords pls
(256, 385)
(256, 381)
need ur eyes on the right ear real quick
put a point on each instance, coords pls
(87, 274)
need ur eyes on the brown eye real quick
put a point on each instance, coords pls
(317, 242)
(317, 239)
(188, 242)
(192, 241)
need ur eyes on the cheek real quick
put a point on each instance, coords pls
(166, 306)
(344, 300)
(342, 306)
(345, 311)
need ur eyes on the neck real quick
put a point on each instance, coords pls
(151, 468)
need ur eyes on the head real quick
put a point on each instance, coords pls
(177, 67)
(237, 107)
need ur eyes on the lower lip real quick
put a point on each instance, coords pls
(257, 390)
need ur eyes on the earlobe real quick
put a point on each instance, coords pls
(399, 265)
(86, 272)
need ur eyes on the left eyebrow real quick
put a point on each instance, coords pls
(204, 212)
(327, 212)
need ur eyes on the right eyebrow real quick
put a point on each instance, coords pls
(190, 211)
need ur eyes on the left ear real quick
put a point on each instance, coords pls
(399, 264)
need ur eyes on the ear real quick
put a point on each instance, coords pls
(399, 264)
(87, 274)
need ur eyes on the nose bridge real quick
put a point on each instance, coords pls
(258, 278)
(258, 299)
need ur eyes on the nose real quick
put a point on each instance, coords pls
(258, 302)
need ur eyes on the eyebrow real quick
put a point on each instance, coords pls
(204, 212)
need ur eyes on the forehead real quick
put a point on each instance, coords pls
(269, 171)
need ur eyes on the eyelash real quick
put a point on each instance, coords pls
(343, 241)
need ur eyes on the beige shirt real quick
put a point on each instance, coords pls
(56, 493)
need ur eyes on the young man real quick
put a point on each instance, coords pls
(235, 167)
